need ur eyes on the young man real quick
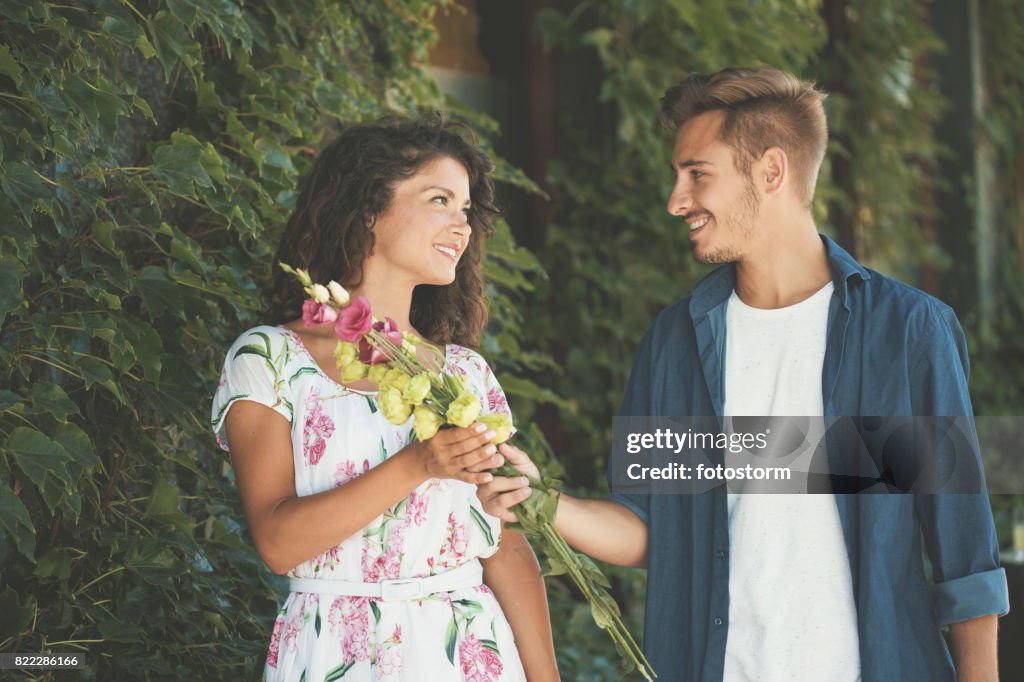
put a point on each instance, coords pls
(789, 587)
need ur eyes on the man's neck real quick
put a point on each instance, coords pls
(785, 269)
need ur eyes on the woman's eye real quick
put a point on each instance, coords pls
(440, 200)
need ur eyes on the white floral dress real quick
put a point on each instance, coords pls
(337, 434)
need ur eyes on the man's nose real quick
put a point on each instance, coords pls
(678, 201)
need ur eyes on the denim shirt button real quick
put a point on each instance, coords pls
(718, 621)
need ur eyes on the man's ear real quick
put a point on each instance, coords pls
(773, 169)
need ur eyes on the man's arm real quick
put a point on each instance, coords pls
(603, 529)
(974, 649)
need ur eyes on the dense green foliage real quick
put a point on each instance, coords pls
(150, 156)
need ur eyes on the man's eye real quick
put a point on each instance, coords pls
(696, 174)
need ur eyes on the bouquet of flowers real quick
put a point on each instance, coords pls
(408, 386)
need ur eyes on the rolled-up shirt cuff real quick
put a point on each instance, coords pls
(972, 596)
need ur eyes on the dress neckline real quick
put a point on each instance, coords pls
(294, 336)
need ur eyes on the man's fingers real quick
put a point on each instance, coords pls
(500, 504)
(502, 484)
(513, 454)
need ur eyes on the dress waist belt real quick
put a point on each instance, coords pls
(469, 574)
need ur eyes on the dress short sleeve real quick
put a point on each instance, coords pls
(254, 369)
(470, 363)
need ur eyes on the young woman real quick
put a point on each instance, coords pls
(383, 537)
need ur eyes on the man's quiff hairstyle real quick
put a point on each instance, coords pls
(763, 108)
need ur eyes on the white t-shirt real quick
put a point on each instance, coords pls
(792, 616)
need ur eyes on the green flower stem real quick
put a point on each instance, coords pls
(552, 544)
(617, 630)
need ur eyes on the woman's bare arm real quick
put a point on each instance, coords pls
(288, 529)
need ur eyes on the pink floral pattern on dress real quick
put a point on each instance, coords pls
(275, 642)
(389, 657)
(349, 617)
(496, 401)
(319, 427)
(345, 472)
(480, 663)
(416, 510)
(293, 628)
(453, 552)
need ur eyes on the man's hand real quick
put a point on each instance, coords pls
(504, 492)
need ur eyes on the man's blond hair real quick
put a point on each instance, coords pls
(763, 107)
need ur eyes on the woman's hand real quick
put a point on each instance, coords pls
(504, 492)
(462, 454)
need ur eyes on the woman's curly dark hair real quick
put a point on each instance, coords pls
(351, 183)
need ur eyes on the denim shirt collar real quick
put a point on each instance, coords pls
(716, 288)
(708, 306)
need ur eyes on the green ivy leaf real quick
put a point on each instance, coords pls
(39, 456)
(22, 186)
(49, 398)
(16, 521)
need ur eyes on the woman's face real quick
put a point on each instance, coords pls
(423, 233)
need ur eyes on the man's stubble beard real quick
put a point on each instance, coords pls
(739, 227)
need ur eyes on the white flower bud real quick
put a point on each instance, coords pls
(338, 293)
(320, 293)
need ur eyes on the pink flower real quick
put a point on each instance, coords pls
(318, 428)
(354, 320)
(275, 642)
(479, 663)
(314, 313)
(368, 355)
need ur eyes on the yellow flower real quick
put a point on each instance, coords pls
(499, 423)
(417, 389)
(354, 371)
(396, 378)
(345, 354)
(392, 406)
(425, 423)
(376, 373)
(464, 410)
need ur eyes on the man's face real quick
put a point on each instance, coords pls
(719, 204)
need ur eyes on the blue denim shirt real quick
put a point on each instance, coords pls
(891, 350)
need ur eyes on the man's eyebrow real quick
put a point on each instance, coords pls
(690, 163)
